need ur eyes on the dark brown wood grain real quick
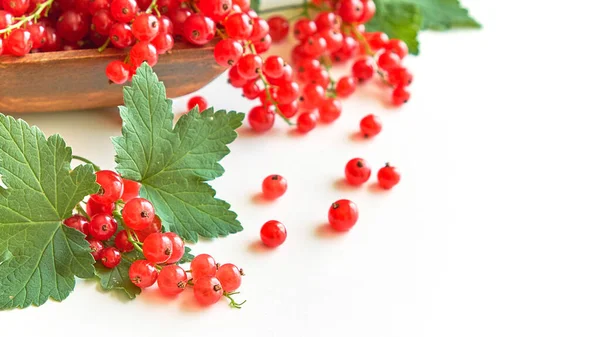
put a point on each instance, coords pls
(75, 80)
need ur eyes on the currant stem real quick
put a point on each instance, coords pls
(221, 34)
(152, 7)
(82, 211)
(136, 244)
(104, 46)
(232, 302)
(33, 16)
(87, 161)
(362, 40)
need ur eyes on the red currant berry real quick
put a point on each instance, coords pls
(78, 222)
(138, 213)
(304, 28)
(314, 46)
(102, 227)
(398, 47)
(288, 92)
(330, 110)
(318, 76)
(207, 290)
(274, 66)
(111, 186)
(249, 66)
(172, 280)
(368, 11)
(289, 110)
(261, 119)
(399, 77)
(142, 273)
(351, 10)
(235, 79)
(263, 44)
(110, 257)
(94, 207)
(155, 227)
(198, 29)
(198, 101)
(131, 189)
(123, 10)
(203, 265)
(18, 42)
(121, 35)
(370, 125)
(345, 86)
(388, 176)
(334, 40)
(327, 20)
(260, 29)
(94, 6)
(343, 215)
(363, 69)
(400, 96)
(214, 9)
(178, 247)
(358, 171)
(145, 27)
(163, 43)
(313, 96)
(238, 26)
(38, 35)
(157, 248)
(6, 19)
(143, 52)
(251, 90)
(165, 25)
(96, 248)
(15, 7)
(122, 242)
(102, 22)
(178, 17)
(244, 5)
(266, 101)
(389, 60)
(279, 28)
(227, 52)
(274, 186)
(288, 74)
(306, 122)
(230, 277)
(273, 233)
(348, 50)
(377, 40)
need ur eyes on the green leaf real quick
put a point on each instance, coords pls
(173, 163)
(117, 278)
(187, 256)
(39, 257)
(443, 14)
(399, 20)
(255, 5)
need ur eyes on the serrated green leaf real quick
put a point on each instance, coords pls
(173, 163)
(117, 278)
(187, 256)
(443, 14)
(255, 5)
(399, 20)
(40, 256)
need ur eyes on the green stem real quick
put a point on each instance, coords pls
(362, 40)
(282, 8)
(136, 244)
(87, 161)
(151, 7)
(32, 17)
(81, 211)
(232, 302)
(104, 46)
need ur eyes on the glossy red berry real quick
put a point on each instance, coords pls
(230, 277)
(304, 28)
(333, 38)
(165, 25)
(288, 92)
(244, 5)
(131, 189)
(327, 21)
(398, 47)
(178, 247)
(155, 227)
(145, 27)
(72, 25)
(279, 27)
(251, 90)
(123, 10)
(157, 248)
(78, 222)
(122, 242)
(289, 110)
(38, 35)
(215, 9)
(238, 26)
(143, 52)
(377, 40)
(172, 280)
(111, 186)
(273, 233)
(163, 43)
(94, 207)
(198, 101)
(142, 273)
(235, 79)
(18, 42)
(260, 29)
(400, 96)
(389, 60)
(306, 122)
(16, 7)
(330, 110)
(110, 257)
(96, 248)
(345, 86)
(343, 215)
(368, 11)
(249, 66)
(274, 66)
(178, 17)
(351, 10)
(363, 69)
(94, 6)
(313, 96)
(121, 35)
(207, 290)
(6, 19)
(274, 186)
(348, 50)
(138, 213)
(388, 176)
(370, 125)
(102, 227)
(314, 46)
(261, 119)
(357, 171)
(198, 29)
(227, 52)
(203, 265)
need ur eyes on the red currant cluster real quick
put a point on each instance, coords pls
(117, 204)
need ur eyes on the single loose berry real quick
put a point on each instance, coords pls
(230, 277)
(400, 96)
(261, 119)
(172, 280)
(142, 273)
(279, 27)
(138, 213)
(110, 257)
(274, 186)
(102, 227)
(273, 233)
(122, 242)
(157, 248)
(357, 171)
(203, 265)
(345, 86)
(343, 215)
(207, 290)
(388, 176)
(79, 222)
(198, 101)
(306, 122)
(370, 125)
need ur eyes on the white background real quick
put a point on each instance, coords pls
(493, 231)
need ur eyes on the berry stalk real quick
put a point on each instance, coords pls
(33, 16)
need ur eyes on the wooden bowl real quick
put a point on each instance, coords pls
(75, 80)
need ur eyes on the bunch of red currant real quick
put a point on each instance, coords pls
(116, 221)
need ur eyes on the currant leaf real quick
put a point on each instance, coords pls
(443, 14)
(399, 20)
(187, 256)
(255, 5)
(174, 163)
(39, 256)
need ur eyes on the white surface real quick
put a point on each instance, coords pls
(493, 230)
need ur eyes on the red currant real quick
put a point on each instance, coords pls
(198, 29)
(163, 42)
(370, 125)
(251, 89)
(230, 277)
(235, 79)
(142, 273)
(111, 186)
(94, 207)
(172, 280)
(244, 5)
(207, 290)
(16, 7)
(178, 17)
(389, 60)
(314, 46)
(261, 119)
(122, 242)
(249, 66)
(238, 26)
(157, 248)
(102, 227)
(279, 27)
(123, 10)
(274, 66)
(273, 233)
(304, 28)
(198, 101)
(38, 35)
(348, 50)
(334, 39)
(398, 47)
(260, 29)
(6, 19)
(327, 20)
(363, 69)
(94, 6)
(351, 10)
(306, 122)
(388, 176)
(330, 110)
(227, 52)
(313, 96)
(343, 215)
(345, 86)
(78, 222)
(138, 213)
(318, 76)
(110, 257)
(289, 110)
(203, 265)
(215, 9)
(274, 186)
(18, 42)
(165, 25)
(145, 27)
(178, 247)
(121, 35)
(96, 248)
(131, 189)
(143, 52)
(400, 96)
(368, 11)
(357, 171)
(155, 227)
(399, 77)
(378, 40)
